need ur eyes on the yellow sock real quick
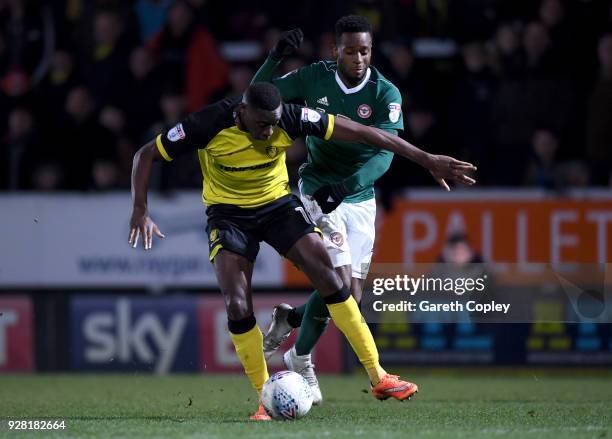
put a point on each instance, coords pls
(249, 348)
(348, 319)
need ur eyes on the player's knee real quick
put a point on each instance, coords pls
(330, 279)
(237, 308)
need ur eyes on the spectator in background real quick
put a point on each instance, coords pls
(407, 74)
(457, 251)
(543, 96)
(141, 103)
(54, 88)
(29, 38)
(542, 168)
(470, 106)
(105, 65)
(599, 118)
(537, 50)
(82, 140)
(22, 150)
(553, 17)
(113, 171)
(507, 45)
(189, 57)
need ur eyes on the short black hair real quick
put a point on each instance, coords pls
(351, 24)
(263, 96)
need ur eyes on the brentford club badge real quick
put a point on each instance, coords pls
(364, 111)
(336, 238)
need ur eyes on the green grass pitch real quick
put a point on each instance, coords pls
(455, 404)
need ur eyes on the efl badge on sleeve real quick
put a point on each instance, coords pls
(395, 111)
(176, 133)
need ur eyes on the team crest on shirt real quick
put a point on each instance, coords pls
(176, 133)
(336, 238)
(364, 111)
(272, 151)
(310, 115)
(395, 111)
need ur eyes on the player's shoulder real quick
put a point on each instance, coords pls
(216, 115)
(321, 68)
(382, 84)
(292, 113)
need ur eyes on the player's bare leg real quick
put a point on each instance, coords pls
(234, 273)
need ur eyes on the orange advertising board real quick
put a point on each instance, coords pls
(524, 228)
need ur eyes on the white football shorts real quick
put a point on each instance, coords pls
(348, 232)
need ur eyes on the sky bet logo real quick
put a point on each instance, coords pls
(156, 335)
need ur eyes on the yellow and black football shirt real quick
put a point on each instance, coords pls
(238, 169)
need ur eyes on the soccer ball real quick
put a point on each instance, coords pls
(286, 396)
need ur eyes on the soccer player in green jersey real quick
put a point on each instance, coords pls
(336, 183)
(241, 144)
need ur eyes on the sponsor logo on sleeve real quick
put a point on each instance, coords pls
(176, 133)
(395, 111)
(310, 115)
(364, 111)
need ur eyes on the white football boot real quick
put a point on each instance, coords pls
(302, 364)
(278, 331)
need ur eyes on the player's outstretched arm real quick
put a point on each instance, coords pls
(288, 42)
(441, 167)
(140, 222)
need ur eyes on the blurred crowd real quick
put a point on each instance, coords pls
(523, 88)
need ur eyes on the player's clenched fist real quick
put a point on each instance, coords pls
(288, 42)
(142, 224)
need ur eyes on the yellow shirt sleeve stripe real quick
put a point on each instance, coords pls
(330, 127)
(162, 150)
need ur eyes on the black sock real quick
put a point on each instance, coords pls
(294, 318)
(338, 297)
(241, 326)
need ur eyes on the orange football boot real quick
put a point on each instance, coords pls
(260, 414)
(390, 386)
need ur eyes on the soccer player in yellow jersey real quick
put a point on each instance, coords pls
(241, 144)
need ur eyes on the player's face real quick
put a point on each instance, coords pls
(260, 123)
(353, 53)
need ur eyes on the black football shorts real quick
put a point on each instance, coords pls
(280, 223)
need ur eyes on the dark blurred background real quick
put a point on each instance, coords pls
(522, 88)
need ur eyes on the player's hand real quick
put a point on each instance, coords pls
(288, 42)
(330, 196)
(443, 167)
(142, 225)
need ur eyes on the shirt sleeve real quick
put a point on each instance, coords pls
(389, 110)
(369, 172)
(189, 134)
(301, 121)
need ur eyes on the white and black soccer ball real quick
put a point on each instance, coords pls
(286, 396)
